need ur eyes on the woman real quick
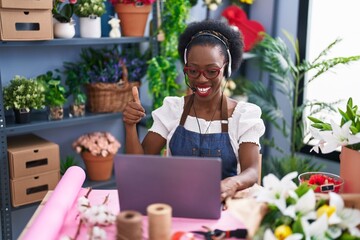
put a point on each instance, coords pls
(199, 124)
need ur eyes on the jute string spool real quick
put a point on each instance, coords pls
(129, 225)
(159, 217)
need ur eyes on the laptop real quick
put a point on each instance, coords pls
(190, 185)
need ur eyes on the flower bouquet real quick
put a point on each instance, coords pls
(292, 212)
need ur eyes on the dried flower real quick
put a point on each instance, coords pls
(97, 143)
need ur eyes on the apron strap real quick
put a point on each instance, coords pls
(187, 108)
(224, 112)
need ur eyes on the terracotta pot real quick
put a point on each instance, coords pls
(349, 169)
(98, 168)
(133, 18)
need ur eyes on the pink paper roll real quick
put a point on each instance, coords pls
(48, 223)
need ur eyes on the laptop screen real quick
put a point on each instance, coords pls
(190, 185)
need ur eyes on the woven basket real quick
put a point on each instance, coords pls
(110, 97)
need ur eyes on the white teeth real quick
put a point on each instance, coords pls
(203, 90)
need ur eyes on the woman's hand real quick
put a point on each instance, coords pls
(133, 111)
(229, 187)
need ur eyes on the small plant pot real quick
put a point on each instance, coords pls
(322, 182)
(22, 116)
(77, 110)
(56, 113)
(98, 168)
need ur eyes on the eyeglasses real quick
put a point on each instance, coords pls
(210, 73)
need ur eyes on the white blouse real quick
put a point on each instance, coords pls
(245, 124)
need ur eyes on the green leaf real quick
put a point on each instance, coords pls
(315, 120)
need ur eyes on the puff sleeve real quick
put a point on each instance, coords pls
(250, 125)
(167, 117)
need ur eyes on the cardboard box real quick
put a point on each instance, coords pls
(29, 4)
(32, 188)
(30, 155)
(25, 24)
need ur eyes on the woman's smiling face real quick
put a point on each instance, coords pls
(210, 61)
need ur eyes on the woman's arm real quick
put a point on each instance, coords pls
(249, 162)
(153, 143)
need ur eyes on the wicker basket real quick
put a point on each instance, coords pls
(110, 97)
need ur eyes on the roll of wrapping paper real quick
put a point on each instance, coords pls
(159, 217)
(53, 213)
(129, 225)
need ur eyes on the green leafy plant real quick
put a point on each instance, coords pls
(162, 71)
(54, 90)
(23, 93)
(67, 163)
(331, 136)
(286, 74)
(90, 8)
(63, 11)
(75, 82)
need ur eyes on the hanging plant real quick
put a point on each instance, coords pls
(162, 70)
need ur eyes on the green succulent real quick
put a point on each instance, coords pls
(23, 93)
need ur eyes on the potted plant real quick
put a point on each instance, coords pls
(64, 26)
(22, 95)
(75, 81)
(286, 74)
(331, 136)
(133, 15)
(109, 75)
(54, 95)
(89, 13)
(97, 149)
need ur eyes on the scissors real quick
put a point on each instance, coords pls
(218, 234)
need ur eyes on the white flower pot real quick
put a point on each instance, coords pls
(90, 27)
(64, 30)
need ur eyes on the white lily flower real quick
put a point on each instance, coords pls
(345, 218)
(305, 205)
(276, 191)
(269, 235)
(316, 229)
(331, 140)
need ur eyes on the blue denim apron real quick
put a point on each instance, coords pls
(188, 143)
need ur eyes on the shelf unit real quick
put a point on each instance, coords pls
(40, 121)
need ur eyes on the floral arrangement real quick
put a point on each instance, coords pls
(294, 212)
(94, 217)
(106, 65)
(97, 143)
(330, 136)
(229, 86)
(135, 2)
(63, 11)
(90, 8)
(322, 182)
(23, 93)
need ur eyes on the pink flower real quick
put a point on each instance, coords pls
(72, 1)
(97, 143)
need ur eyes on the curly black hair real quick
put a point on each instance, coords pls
(232, 37)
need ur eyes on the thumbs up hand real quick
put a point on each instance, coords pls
(133, 111)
